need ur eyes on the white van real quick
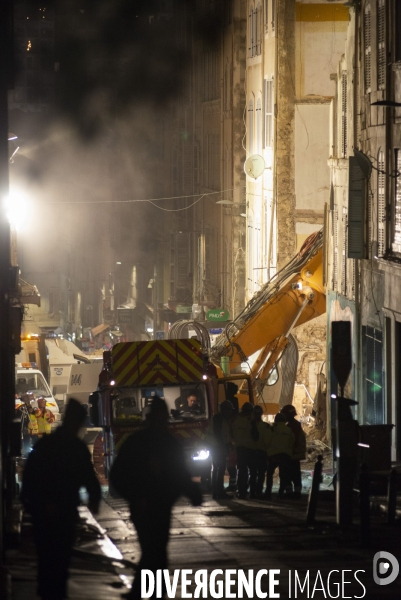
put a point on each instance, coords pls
(29, 379)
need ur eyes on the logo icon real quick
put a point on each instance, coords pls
(385, 564)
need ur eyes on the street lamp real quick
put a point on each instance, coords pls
(17, 209)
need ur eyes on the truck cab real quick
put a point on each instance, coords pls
(176, 371)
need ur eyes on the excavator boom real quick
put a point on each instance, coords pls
(294, 296)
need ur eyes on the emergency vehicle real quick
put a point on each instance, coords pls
(134, 372)
(29, 379)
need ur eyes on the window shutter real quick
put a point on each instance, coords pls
(182, 256)
(187, 168)
(335, 249)
(250, 254)
(259, 125)
(356, 210)
(258, 30)
(250, 128)
(381, 206)
(269, 91)
(368, 49)
(381, 45)
(273, 14)
(397, 205)
(345, 253)
(344, 114)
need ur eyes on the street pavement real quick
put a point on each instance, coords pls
(230, 534)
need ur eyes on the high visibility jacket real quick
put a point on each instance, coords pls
(243, 432)
(299, 450)
(282, 441)
(265, 435)
(29, 420)
(219, 431)
(44, 419)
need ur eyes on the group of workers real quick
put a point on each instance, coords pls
(258, 449)
(35, 420)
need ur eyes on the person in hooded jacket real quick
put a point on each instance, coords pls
(150, 472)
(294, 486)
(58, 466)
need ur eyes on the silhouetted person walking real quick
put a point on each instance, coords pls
(58, 466)
(150, 473)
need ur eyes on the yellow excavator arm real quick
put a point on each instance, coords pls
(294, 296)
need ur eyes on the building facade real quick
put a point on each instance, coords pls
(363, 254)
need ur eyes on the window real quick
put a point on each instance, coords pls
(252, 31)
(258, 125)
(266, 15)
(381, 206)
(269, 104)
(51, 302)
(250, 127)
(257, 261)
(185, 403)
(212, 161)
(258, 24)
(372, 350)
(335, 248)
(368, 49)
(397, 204)
(266, 236)
(381, 45)
(356, 210)
(250, 254)
(273, 14)
(344, 147)
(345, 253)
(255, 30)
(211, 81)
(398, 28)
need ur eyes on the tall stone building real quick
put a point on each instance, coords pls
(204, 242)
(292, 51)
(364, 250)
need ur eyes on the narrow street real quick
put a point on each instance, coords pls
(258, 535)
(225, 535)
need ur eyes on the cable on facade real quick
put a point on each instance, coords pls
(150, 200)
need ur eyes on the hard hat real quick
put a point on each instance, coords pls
(226, 405)
(247, 407)
(289, 410)
(258, 409)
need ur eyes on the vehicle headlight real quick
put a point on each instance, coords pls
(201, 455)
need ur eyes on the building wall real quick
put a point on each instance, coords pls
(369, 72)
(299, 50)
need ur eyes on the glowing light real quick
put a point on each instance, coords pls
(112, 382)
(204, 376)
(333, 396)
(29, 46)
(202, 455)
(18, 210)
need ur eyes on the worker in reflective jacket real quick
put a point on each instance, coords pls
(262, 445)
(279, 453)
(29, 424)
(44, 418)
